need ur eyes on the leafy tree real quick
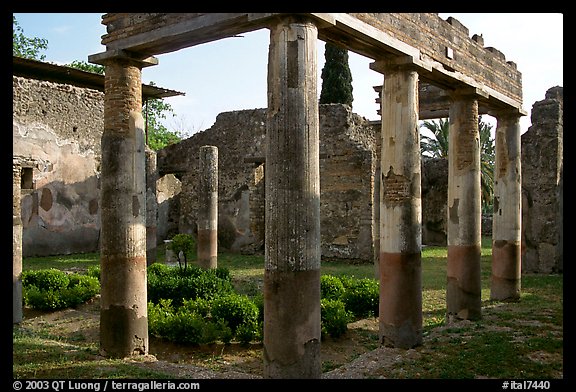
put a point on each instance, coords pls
(84, 66)
(336, 76)
(158, 136)
(437, 147)
(487, 161)
(28, 48)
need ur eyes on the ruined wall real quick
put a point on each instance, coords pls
(433, 36)
(347, 162)
(60, 125)
(542, 186)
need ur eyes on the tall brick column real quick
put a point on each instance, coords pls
(463, 291)
(207, 246)
(506, 227)
(16, 243)
(400, 311)
(292, 243)
(123, 302)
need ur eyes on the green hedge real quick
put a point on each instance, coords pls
(52, 289)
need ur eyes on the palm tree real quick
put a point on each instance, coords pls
(487, 158)
(436, 146)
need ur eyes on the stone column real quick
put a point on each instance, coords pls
(400, 311)
(151, 206)
(463, 291)
(123, 301)
(292, 182)
(16, 244)
(207, 246)
(506, 226)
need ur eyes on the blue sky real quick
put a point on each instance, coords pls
(230, 74)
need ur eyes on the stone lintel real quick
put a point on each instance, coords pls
(384, 64)
(470, 91)
(120, 54)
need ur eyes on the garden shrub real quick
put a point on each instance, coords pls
(46, 279)
(331, 287)
(94, 271)
(334, 317)
(52, 289)
(195, 282)
(236, 310)
(362, 297)
(185, 324)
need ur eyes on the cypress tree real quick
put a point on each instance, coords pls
(336, 76)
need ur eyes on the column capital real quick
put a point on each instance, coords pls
(139, 60)
(410, 62)
(511, 112)
(468, 91)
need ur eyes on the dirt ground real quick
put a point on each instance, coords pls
(357, 354)
(81, 325)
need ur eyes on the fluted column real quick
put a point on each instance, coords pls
(506, 226)
(16, 243)
(463, 291)
(207, 246)
(292, 241)
(400, 311)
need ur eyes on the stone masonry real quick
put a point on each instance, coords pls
(61, 124)
(542, 186)
(348, 159)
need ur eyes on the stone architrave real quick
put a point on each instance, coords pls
(463, 290)
(207, 246)
(292, 181)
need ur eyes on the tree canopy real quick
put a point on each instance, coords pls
(336, 76)
(25, 47)
(436, 146)
(158, 136)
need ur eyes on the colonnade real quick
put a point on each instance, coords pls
(292, 244)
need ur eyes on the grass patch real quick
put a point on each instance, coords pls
(519, 340)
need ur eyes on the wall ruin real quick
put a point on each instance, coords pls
(348, 157)
(542, 186)
(60, 124)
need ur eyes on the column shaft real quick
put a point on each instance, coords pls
(463, 291)
(151, 206)
(16, 244)
(506, 228)
(207, 246)
(400, 311)
(292, 182)
(123, 313)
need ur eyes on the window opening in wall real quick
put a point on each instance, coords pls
(26, 178)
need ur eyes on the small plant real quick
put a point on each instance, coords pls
(184, 247)
(334, 317)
